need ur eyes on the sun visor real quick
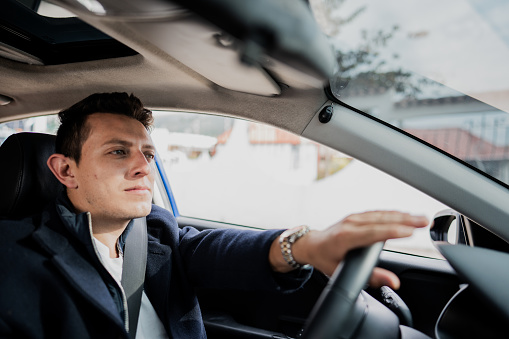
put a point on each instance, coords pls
(279, 40)
(283, 29)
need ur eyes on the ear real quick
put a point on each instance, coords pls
(62, 168)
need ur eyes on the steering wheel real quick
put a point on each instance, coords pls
(334, 314)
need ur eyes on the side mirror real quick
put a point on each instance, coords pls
(450, 226)
(454, 228)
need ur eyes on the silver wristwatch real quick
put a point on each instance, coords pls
(287, 239)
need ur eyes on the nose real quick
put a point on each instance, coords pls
(140, 166)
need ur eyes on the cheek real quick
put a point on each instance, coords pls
(95, 178)
(152, 174)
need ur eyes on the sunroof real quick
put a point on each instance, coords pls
(53, 11)
(37, 38)
(47, 9)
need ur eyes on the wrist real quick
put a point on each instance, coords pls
(289, 241)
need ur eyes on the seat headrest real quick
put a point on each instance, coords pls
(27, 182)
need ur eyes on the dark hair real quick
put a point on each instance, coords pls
(74, 131)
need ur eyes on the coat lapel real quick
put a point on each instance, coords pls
(78, 271)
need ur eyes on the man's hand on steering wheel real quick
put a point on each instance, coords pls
(324, 250)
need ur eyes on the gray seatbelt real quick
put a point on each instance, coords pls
(133, 271)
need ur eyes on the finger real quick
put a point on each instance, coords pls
(387, 217)
(354, 237)
(382, 277)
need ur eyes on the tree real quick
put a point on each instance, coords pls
(363, 69)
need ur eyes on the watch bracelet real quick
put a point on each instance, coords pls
(286, 242)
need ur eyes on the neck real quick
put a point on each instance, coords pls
(105, 228)
(108, 233)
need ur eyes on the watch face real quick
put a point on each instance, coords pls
(296, 232)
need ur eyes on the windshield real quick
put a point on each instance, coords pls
(435, 69)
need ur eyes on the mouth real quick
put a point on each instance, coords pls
(138, 189)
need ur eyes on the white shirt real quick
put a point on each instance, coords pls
(149, 324)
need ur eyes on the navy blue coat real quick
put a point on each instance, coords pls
(52, 284)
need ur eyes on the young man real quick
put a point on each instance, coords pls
(63, 278)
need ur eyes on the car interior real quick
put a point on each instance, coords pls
(267, 62)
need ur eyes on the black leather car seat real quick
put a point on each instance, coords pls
(26, 182)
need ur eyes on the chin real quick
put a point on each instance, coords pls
(138, 211)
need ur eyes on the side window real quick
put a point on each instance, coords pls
(43, 124)
(246, 173)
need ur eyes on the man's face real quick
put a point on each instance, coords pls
(115, 175)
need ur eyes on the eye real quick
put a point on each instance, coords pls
(150, 156)
(118, 152)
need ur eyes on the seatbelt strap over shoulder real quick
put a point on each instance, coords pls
(133, 271)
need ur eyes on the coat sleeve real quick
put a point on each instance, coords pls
(5, 330)
(230, 258)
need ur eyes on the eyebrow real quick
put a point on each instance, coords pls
(126, 143)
